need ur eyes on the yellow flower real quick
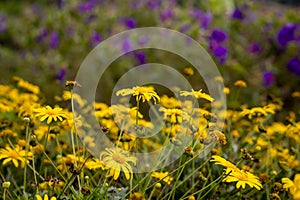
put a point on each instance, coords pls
(94, 163)
(243, 178)
(38, 197)
(14, 155)
(116, 160)
(292, 186)
(240, 83)
(222, 161)
(162, 176)
(236, 175)
(28, 86)
(144, 93)
(50, 114)
(257, 111)
(174, 115)
(136, 196)
(188, 71)
(198, 94)
(169, 102)
(296, 94)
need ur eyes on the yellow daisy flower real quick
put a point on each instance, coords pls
(243, 178)
(197, 94)
(14, 155)
(116, 160)
(50, 114)
(144, 93)
(162, 176)
(222, 161)
(292, 186)
(39, 197)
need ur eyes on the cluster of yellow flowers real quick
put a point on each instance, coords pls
(34, 137)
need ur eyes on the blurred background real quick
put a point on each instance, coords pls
(44, 42)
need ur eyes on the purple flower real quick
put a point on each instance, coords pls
(61, 74)
(54, 40)
(185, 28)
(86, 6)
(293, 65)
(143, 40)
(204, 19)
(3, 25)
(220, 52)
(129, 22)
(218, 35)
(238, 14)
(95, 38)
(42, 35)
(154, 4)
(286, 34)
(141, 57)
(268, 79)
(167, 14)
(127, 46)
(90, 18)
(254, 48)
(60, 4)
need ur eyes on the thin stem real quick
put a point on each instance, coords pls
(72, 138)
(26, 153)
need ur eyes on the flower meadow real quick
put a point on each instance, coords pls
(46, 151)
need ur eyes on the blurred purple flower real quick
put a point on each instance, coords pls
(44, 32)
(86, 7)
(3, 25)
(167, 14)
(60, 4)
(141, 57)
(61, 74)
(220, 52)
(154, 4)
(254, 48)
(293, 65)
(237, 14)
(95, 38)
(218, 35)
(204, 19)
(129, 22)
(127, 46)
(268, 79)
(143, 40)
(70, 31)
(54, 40)
(185, 28)
(286, 34)
(90, 18)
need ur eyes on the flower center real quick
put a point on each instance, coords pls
(119, 158)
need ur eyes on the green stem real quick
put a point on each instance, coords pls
(26, 153)
(72, 138)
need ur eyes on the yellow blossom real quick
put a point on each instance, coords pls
(162, 176)
(14, 155)
(197, 94)
(50, 114)
(292, 186)
(116, 160)
(243, 178)
(144, 93)
(38, 197)
(240, 83)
